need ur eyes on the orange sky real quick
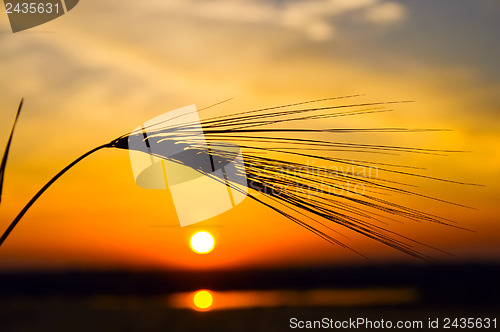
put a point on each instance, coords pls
(106, 67)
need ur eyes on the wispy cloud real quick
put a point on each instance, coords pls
(386, 12)
(315, 19)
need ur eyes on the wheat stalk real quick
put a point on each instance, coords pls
(295, 194)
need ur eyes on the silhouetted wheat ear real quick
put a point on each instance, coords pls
(306, 194)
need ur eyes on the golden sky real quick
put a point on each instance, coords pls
(107, 66)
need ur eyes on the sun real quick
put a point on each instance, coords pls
(202, 243)
(203, 300)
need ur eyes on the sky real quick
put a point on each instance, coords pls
(107, 66)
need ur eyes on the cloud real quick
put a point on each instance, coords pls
(387, 12)
(320, 30)
(235, 11)
(311, 18)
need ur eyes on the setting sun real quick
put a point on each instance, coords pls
(202, 242)
(203, 300)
